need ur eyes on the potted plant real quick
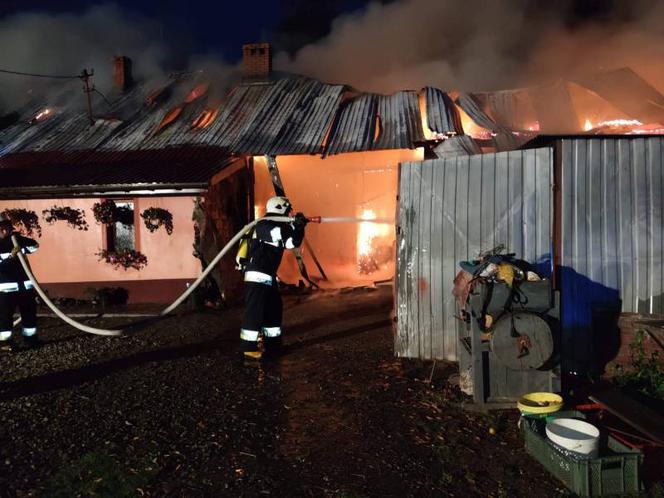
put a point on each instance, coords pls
(107, 212)
(75, 218)
(125, 259)
(24, 220)
(155, 217)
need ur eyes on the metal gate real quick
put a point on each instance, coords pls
(450, 210)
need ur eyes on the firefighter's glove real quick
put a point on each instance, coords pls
(300, 221)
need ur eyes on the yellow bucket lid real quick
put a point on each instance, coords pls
(540, 403)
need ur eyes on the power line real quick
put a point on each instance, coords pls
(34, 75)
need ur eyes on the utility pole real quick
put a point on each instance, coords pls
(85, 76)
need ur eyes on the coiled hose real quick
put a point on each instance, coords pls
(116, 332)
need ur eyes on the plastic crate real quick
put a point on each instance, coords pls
(615, 472)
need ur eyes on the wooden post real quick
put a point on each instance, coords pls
(279, 190)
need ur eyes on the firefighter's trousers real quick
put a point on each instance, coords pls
(24, 300)
(263, 312)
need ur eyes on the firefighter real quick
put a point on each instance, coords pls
(15, 288)
(263, 306)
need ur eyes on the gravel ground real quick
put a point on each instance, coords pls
(170, 411)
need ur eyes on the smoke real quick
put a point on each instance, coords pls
(64, 44)
(481, 44)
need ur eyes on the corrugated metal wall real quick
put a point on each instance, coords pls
(449, 211)
(611, 233)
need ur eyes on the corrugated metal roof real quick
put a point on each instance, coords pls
(174, 166)
(400, 121)
(291, 115)
(442, 115)
(459, 145)
(354, 127)
(628, 92)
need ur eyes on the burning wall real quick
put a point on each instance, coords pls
(354, 185)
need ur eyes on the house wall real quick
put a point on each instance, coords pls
(344, 185)
(67, 255)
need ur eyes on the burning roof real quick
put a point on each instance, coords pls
(298, 115)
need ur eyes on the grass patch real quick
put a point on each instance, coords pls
(97, 474)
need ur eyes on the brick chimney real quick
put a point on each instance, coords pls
(122, 77)
(257, 60)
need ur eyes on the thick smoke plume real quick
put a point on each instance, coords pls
(67, 43)
(481, 44)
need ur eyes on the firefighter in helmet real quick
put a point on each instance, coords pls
(263, 306)
(16, 289)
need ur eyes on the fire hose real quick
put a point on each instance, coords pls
(166, 311)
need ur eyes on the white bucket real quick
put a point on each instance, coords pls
(574, 435)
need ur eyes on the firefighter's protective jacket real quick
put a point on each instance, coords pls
(11, 272)
(267, 246)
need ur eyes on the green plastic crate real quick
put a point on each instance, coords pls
(615, 472)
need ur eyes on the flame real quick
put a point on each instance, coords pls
(472, 129)
(619, 123)
(367, 234)
(42, 115)
(205, 118)
(197, 92)
(588, 125)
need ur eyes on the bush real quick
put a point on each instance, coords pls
(645, 373)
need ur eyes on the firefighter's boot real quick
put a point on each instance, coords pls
(252, 356)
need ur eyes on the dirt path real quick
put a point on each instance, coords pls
(170, 412)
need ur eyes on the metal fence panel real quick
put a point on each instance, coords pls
(611, 222)
(450, 209)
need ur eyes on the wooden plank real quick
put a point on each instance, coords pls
(450, 217)
(640, 222)
(424, 264)
(631, 412)
(439, 329)
(530, 220)
(403, 241)
(414, 350)
(655, 228)
(515, 196)
(625, 221)
(609, 205)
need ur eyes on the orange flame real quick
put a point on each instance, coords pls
(42, 115)
(197, 92)
(205, 118)
(368, 231)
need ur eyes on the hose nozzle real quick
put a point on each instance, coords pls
(314, 219)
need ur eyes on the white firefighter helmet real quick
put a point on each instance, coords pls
(278, 205)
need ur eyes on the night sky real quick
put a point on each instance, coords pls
(220, 27)
(217, 27)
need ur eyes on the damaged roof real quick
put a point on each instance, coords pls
(291, 115)
(65, 174)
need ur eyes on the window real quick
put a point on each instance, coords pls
(121, 235)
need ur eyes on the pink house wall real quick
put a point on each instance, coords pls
(68, 255)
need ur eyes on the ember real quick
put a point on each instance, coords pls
(42, 115)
